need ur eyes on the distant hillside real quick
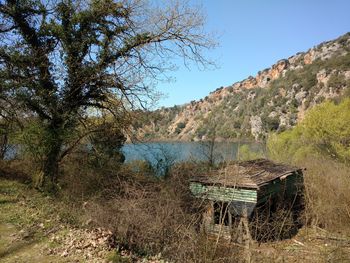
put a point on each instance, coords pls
(274, 100)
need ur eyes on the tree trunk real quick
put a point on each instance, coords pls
(50, 167)
(3, 145)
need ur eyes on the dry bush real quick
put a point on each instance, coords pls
(268, 226)
(19, 170)
(327, 194)
(81, 179)
(151, 215)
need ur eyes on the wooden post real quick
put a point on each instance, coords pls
(243, 235)
(239, 232)
(246, 236)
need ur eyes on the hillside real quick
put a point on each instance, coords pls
(274, 100)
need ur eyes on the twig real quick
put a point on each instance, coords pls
(334, 238)
(298, 242)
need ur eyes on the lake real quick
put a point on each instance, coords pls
(171, 152)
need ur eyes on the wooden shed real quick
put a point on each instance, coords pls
(242, 189)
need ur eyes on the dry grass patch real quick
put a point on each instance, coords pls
(327, 194)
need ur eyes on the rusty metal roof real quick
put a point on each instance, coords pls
(247, 174)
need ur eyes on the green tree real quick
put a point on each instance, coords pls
(324, 131)
(106, 143)
(245, 153)
(59, 59)
(327, 127)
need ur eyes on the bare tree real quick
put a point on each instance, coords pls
(209, 146)
(60, 58)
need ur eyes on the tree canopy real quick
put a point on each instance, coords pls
(324, 131)
(60, 59)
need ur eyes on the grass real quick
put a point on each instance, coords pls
(115, 257)
(26, 218)
(327, 185)
(33, 209)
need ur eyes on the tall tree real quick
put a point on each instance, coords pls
(60, 58)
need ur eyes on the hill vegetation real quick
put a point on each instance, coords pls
(275, 100)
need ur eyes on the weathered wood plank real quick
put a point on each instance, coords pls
(225, 194)
(249, 174)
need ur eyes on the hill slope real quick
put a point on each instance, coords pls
(274, 100)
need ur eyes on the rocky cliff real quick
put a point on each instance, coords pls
(274, 100)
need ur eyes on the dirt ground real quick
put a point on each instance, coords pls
(23, 250)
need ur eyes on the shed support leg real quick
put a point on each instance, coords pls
(243, 236)
(246, 236)
(239, 232)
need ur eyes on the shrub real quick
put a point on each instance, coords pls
(327, 194)
(150, 215)
(336, 81)
(324, 131)
(245, 152)
(271, 123)
(106, 144)
(181, 125)
(327, 128)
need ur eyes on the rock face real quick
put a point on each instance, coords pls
(276, 98)
(264, 77)
(256, 126)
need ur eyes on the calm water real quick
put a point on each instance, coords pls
(182, 151)
(171, 152)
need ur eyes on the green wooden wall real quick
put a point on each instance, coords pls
(224, 194)
(285, 189)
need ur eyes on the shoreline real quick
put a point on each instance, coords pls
(219, 140)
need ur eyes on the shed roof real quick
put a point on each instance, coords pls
(247, 174)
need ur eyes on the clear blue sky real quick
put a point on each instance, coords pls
(254, 34)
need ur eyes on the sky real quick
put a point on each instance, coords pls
(253, 35)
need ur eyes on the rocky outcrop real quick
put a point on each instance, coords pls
(304, 80)
(256, 126)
